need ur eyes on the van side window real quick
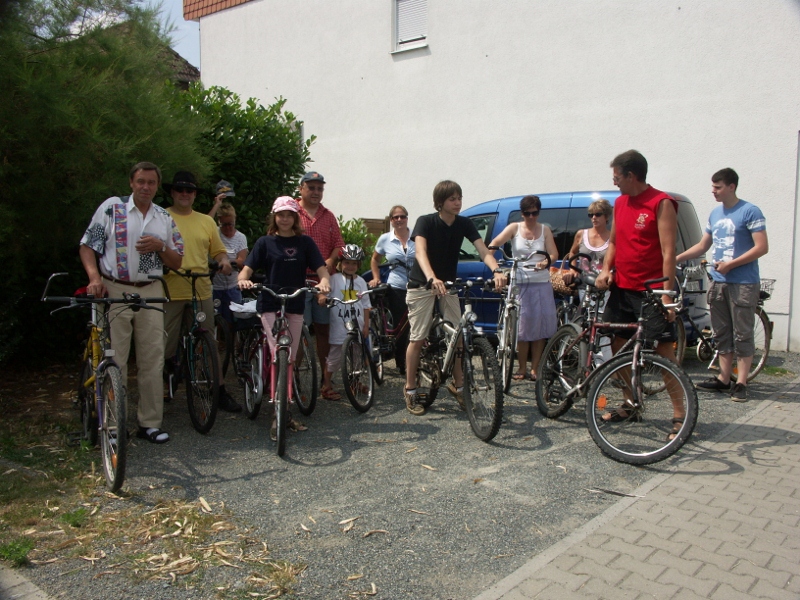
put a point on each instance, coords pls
(485, 225)
(558, 220)
(689, 232)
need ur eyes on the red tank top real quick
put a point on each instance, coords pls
(638, 246)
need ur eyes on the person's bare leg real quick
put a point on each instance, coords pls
(726, 367)
(537, 348)
(323, 345)
(412, 363)
(522, 357)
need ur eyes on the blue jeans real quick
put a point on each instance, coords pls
(226, 297)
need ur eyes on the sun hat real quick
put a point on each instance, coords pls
(182, 179)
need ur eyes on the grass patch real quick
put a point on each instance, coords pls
(780, 371)
(16, 551)
(75, 518)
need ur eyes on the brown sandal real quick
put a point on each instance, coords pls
(296, 425)
(330, 394)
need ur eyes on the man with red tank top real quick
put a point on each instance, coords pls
(641, 247)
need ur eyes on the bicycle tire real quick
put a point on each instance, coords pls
(762, 337)
(560, 369)
(483, 389)
(506, 344)
(375, 356)
(305, 375)
(282, 401)
(253, 375)
(87, 402)
(357, 374)
(114, 427)
(225, 342)
(428, 377)
(642, 438)
(201, 366)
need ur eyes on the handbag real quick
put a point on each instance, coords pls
(557, 281)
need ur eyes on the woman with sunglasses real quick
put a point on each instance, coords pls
(398, 249)
(537, 313)
(592, 241)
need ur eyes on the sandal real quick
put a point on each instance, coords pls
(330, 394)
(518, 377)
(154, 435)
(676, 429)
(533, 376)
(619, 415)
(273, 431)
(296, 425)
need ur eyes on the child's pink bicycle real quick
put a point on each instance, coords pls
(287, 381)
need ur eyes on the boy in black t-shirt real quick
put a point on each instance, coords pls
(438, 238)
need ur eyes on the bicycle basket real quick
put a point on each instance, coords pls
(767, 285)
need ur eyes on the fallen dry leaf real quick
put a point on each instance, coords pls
(356, 576)
(369, 533)
(204, 504)
(351, 519)
(430, 468)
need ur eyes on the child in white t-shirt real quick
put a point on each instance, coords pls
(346, 285)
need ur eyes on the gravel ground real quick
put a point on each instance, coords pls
(455, 514)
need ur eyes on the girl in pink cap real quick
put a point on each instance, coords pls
(284, 255)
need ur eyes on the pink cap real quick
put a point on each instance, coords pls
(285, 203)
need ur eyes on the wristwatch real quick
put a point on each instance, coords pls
(498, 270)
(164, 247)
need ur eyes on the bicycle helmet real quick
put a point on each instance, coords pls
(351, 252)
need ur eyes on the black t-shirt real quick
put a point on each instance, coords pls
(284, 260)
(444, 243)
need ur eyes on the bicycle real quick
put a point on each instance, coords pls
(384, 332)
(508, 315)
(102, 395)
(706, 348)
(644, 429)
(359, 369)
(196, 360)
(259, 369)
(483, 387)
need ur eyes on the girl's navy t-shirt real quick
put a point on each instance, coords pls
(284, 261)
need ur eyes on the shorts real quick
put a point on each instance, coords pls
(314, 313)
(623, 306)
(733, 314)
(420, 311)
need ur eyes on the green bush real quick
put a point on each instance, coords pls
(16, 551)
(355, 232)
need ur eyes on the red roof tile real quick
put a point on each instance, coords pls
(194, 9)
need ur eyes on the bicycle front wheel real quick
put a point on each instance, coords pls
(357, 375)
(375, 356)
(114, 427)
(201, 365)
(560, 370)
(87, 401)
(305, 375)
(253, 373)
(507, 344)
(282, 400)
(679, 345)
(483, 389)
(646, 427)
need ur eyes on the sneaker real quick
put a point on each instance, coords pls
(227, 403)
(739, 392)
(459, 396)
(412, 403)
(713, 383)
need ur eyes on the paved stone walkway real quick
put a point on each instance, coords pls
(725, 524)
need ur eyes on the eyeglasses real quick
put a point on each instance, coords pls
(183, 190)
(399, 217)
(598, 215)
(227, 224)
(530, 213)
(617, 178)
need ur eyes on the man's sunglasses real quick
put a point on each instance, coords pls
(399, 217)
(530, 213)
(598, 215)
(184, 190)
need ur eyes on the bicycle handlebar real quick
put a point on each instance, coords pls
(258, 287)
(677, 296)
(333, 301)
(530, 256)
(134, 300)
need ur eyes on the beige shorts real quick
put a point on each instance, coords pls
(420, 311)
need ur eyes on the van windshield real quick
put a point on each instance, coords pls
(558, 220)
(485, 225)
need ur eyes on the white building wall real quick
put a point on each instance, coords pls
(532, 96)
